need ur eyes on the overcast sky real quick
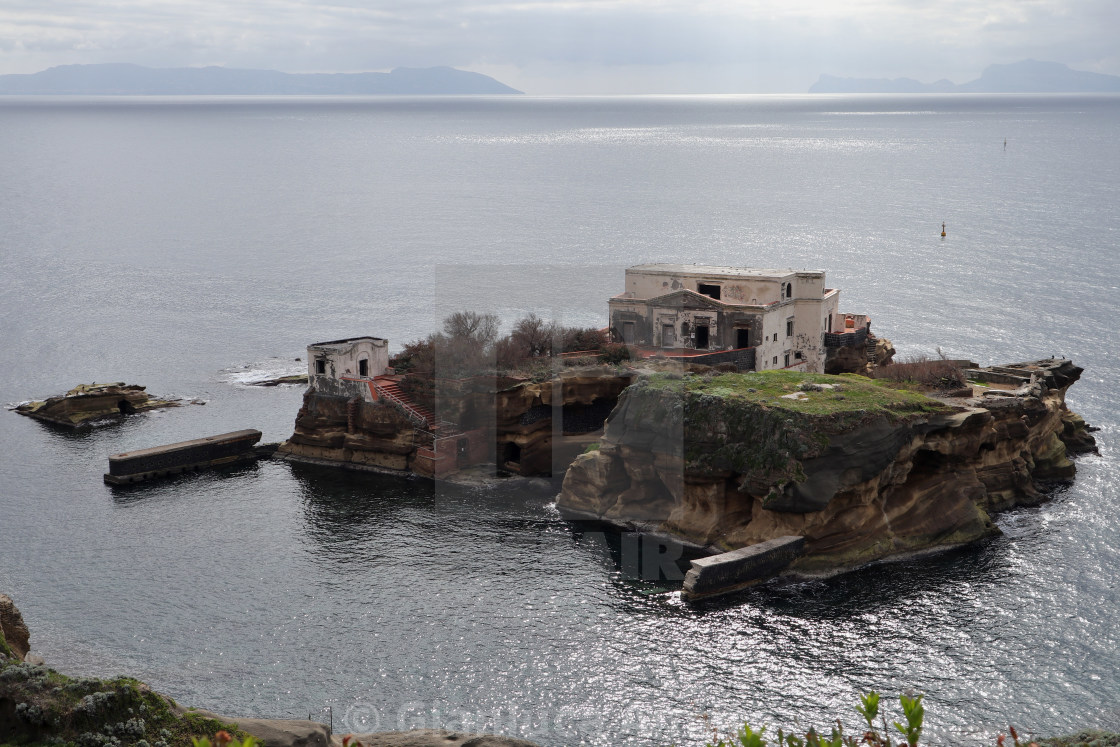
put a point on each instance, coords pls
(574, 46)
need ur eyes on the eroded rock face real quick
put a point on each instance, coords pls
(86, 403)
(514, 422)
(859, 484)
(13, 630)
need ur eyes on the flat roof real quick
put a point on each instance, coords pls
(347, 341)
(670, 268)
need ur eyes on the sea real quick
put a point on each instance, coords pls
(194, 245)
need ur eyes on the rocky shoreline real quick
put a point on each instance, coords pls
(40, 706)
(730, 461)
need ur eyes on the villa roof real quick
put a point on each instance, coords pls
(669, 268)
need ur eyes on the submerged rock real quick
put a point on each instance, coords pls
(86, 403)
(862, 471)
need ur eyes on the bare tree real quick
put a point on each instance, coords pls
(472, 327)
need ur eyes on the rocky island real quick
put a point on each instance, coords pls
(89, 403)
(860, 470)
(723, 409)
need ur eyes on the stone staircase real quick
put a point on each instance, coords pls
(872, 343)
(386, 387)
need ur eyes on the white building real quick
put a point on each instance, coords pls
(356, 357)
(783, 316)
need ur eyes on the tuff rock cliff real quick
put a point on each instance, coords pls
(862, 471)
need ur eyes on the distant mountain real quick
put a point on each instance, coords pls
(115, 79)
(1028, 76)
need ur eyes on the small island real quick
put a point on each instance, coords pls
(723, 409)
(87, 404)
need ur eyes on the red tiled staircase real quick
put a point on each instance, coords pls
(386, 387)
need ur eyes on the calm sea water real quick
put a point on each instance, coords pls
(192, 244)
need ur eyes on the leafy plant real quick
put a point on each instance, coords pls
(915, 713)
(869, 708)
(225, 739)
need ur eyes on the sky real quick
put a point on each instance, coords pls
(549, 47)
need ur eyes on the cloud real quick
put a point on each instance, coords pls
(699, 45)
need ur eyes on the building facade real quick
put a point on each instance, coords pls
(783, 315)
(353, 358)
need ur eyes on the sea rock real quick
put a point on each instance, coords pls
(861, 471)
(274, 732)
(13, 631)
(86, 403)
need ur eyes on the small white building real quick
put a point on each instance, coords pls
(785, 316)
(353, 358)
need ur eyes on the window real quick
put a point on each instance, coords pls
(320, 366)
(787, 360)
(742, 338)
(775, 360)
(775, 340)
(363, 368)
(797, 355)
(789, 328)
(708, 289)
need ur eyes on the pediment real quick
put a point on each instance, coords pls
(685, 299)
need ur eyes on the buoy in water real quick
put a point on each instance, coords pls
(942, 229)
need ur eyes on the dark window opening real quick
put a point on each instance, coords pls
(709, 290)
(742, 338)
(125, 407)
(320, 366)
(797, 355)
(789, 328)
(775, 360)
(702, 336)
(787, 360)
(511, 453)
(363, 368)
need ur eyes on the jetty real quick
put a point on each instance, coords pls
(186, 456)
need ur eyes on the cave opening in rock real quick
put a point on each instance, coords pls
(511, 453)
(125, 407)
(579, 418)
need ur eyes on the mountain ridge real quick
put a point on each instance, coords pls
(1026, 76)
(130, 79)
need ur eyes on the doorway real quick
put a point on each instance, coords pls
(701, 336)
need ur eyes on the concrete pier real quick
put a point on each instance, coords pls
(170, 459)
(736, 570)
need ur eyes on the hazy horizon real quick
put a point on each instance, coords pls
(547, 47)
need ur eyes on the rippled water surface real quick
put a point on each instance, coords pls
(193, 245)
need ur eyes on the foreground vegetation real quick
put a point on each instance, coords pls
(906, 732)
(39, 706)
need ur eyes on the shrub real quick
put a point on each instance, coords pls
(924, 372)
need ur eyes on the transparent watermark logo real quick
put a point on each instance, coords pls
(635, 724)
